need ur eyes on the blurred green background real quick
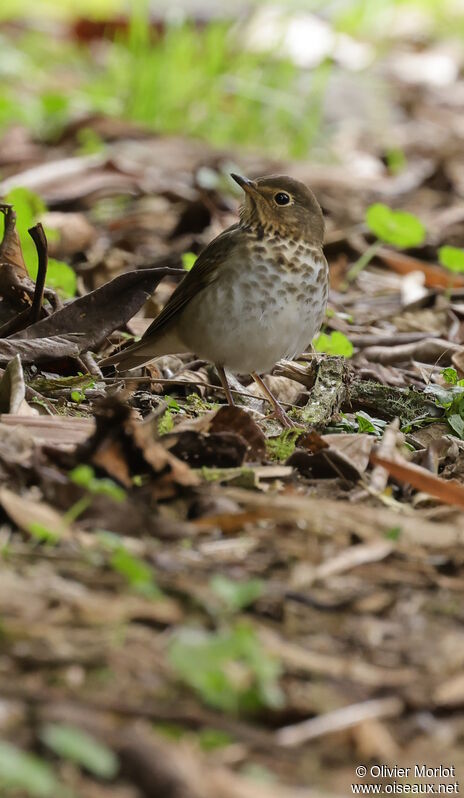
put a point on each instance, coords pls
(242, 74)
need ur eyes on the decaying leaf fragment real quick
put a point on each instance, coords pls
(13, 390)
(16, 287)
(222, 438)
(126, 448)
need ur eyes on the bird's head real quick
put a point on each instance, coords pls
(281, 205)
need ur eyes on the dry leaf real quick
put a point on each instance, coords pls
(25, 512)
(447, 491)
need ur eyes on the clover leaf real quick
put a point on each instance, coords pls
(334, 344)
(399, 228)
(452, 258)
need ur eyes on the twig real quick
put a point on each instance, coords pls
(339, 719)
(16, 323)
(37, 233)
(156, 711)
(428, 350)
(363, 261)
(38, 398)
(88, 363)
(170, 381)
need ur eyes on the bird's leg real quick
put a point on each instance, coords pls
(279, 412)
(225, 384)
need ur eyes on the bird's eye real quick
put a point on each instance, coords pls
(282, 198)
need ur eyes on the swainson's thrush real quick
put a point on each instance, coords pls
(256, 294)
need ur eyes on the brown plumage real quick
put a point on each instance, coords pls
(257, 292)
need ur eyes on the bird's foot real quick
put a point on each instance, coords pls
(281, 416)
(277, 410)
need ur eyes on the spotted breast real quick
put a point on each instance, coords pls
(273, 302)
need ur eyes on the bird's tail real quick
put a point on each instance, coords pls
(140, 353)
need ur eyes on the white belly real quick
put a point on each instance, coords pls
(247, 321)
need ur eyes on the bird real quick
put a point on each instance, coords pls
(256, 294)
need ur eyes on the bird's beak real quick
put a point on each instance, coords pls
(249, 186)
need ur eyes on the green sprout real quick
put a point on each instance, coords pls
(188, 260)
(396, 160)
(281, 447)
(137, 573)
(26, 773)
(229, 669)
(396, 228)
(452, 258)
(166, 422)
(334, 344)
(451, 399)
(70, 743)
(235, 595)
(450, 376)
(373, 426)
(77, 396)
(84, 476)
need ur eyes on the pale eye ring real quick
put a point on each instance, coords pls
(281, 198)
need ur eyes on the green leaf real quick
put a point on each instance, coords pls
(54, 102)
(452, 258)
(343, 424)
(29, 208)
(173, 404)
(77, 396)
(172, 731)
(23, 771)
(396, 160)
(236, 595)
(166, 423)
(400, 228)
(456, 423)
(450, 375)
(107, 487)
(42, 533)
(230, 669)
(368, 424)
(394, 533)
(69, 742)
(82, 475)
(281, 447)
(89, 142)
(188, 260)
(443, 397)
(137, 572)
(364, 424)
(53, 384)
(334, 344)
(62, 278)
(212, 739)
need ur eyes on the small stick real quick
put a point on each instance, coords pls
(37, 233)
(198, 383)
(338, 720)
(16, 323)
(363, 261)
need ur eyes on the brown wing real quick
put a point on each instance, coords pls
(204, 272)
